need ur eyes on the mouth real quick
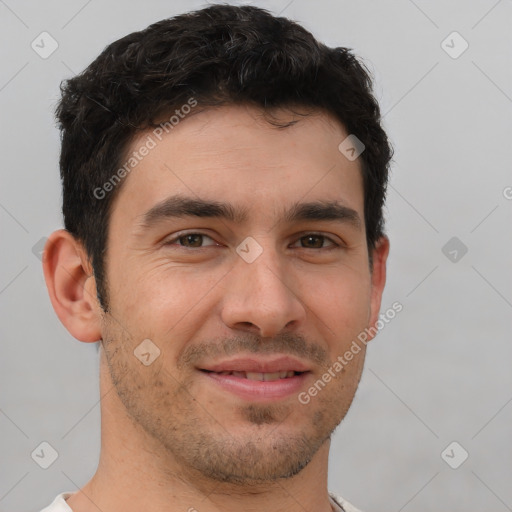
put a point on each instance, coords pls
(258, 380)
(259, 376)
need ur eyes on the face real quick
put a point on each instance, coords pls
(246, 302)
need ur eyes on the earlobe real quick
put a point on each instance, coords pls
(71, 286)
(380, 256)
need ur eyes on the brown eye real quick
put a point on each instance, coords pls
(194, 240)
(191, 241)
(314, 241)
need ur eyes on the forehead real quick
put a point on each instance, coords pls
(233, 154)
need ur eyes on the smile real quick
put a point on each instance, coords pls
(258, 386)
(266, 377)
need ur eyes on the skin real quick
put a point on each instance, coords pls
(172, 439)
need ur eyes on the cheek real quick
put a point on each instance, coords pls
(162, 298)
(341, 299)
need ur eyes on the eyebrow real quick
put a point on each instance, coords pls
(180, 206)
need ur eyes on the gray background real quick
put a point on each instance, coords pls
(438, 373)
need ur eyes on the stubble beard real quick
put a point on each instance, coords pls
(263, 451)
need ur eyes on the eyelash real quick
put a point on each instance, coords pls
(176, 238)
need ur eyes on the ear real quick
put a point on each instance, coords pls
(72, 286)
(378, 279)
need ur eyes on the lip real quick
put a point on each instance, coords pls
(256, 390)
(258, 365)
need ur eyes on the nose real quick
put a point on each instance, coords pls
(262, 297)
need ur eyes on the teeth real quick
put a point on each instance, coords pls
(260, 376)
(265, 376)
(254, 376)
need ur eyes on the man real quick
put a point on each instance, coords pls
(223, 182)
